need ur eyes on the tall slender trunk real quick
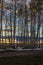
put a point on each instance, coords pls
(33, 21)
(38, 30)
(34, 29)
(14, 22)
(5, 26)
(10, 25)
(26, 22)
(1, 18)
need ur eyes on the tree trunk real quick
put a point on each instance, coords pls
(38, 29)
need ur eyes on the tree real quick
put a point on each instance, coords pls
(23, 12)
(14, 19)
(39, 3)
(35, 7)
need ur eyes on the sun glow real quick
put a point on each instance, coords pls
(15, 41)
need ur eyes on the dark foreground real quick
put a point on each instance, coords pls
(33, 57)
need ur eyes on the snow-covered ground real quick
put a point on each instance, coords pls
(20, 49)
